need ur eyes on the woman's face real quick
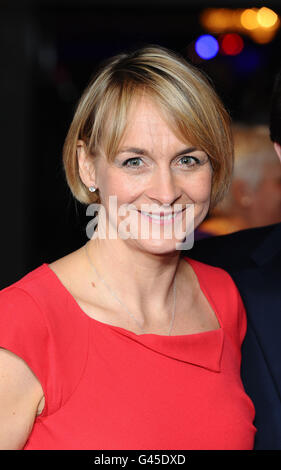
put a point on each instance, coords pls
(153, 178)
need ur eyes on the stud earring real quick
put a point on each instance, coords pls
(92, 189)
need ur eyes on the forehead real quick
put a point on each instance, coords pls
(148, 125)
(144, 106)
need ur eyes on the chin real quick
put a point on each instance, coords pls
(157, 247)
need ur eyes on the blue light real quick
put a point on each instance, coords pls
(249, 61)
(206, 46)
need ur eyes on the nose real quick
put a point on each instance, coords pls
(163, 188)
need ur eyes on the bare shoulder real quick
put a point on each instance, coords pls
(21, 397)
(72, 270)
(68, 268)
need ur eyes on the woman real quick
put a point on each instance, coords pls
(124, 343)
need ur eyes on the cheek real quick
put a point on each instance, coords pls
(125, 189)
(199, 187)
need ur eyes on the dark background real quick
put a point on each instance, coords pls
(49, 51)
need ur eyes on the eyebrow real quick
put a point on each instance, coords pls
(139, 151)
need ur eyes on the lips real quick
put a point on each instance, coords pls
(161, 217)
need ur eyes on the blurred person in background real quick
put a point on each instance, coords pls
(253, 259)
(254, 198)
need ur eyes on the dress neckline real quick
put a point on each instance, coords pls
(203, 349)
(191, 262)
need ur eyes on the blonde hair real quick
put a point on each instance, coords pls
(184, 94)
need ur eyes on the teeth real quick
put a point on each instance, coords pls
(160, 217)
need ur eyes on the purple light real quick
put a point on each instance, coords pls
(206, 47)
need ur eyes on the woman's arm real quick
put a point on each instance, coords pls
(20, 397)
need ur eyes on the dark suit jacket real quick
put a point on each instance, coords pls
(253, 259)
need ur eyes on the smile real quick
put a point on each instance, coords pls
(161, 218)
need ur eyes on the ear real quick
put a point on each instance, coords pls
(86, 165)
(278, 149)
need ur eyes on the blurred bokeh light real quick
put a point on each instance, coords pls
(266, 17)
(261, 24)
(249, 18)
(206, 46)
(231, 43)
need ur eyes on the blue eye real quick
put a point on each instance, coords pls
(132, 162)
(189, 161)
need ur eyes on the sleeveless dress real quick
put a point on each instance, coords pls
(108, 388)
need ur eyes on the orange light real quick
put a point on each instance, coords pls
(262, 36)
(249, 18)
(266, 18)
(236, 20)
(261, 24)
(215, 19)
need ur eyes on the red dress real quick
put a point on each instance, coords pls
(108, 388)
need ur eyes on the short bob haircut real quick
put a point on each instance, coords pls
(184, 95)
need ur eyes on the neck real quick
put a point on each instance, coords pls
(143, 280)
